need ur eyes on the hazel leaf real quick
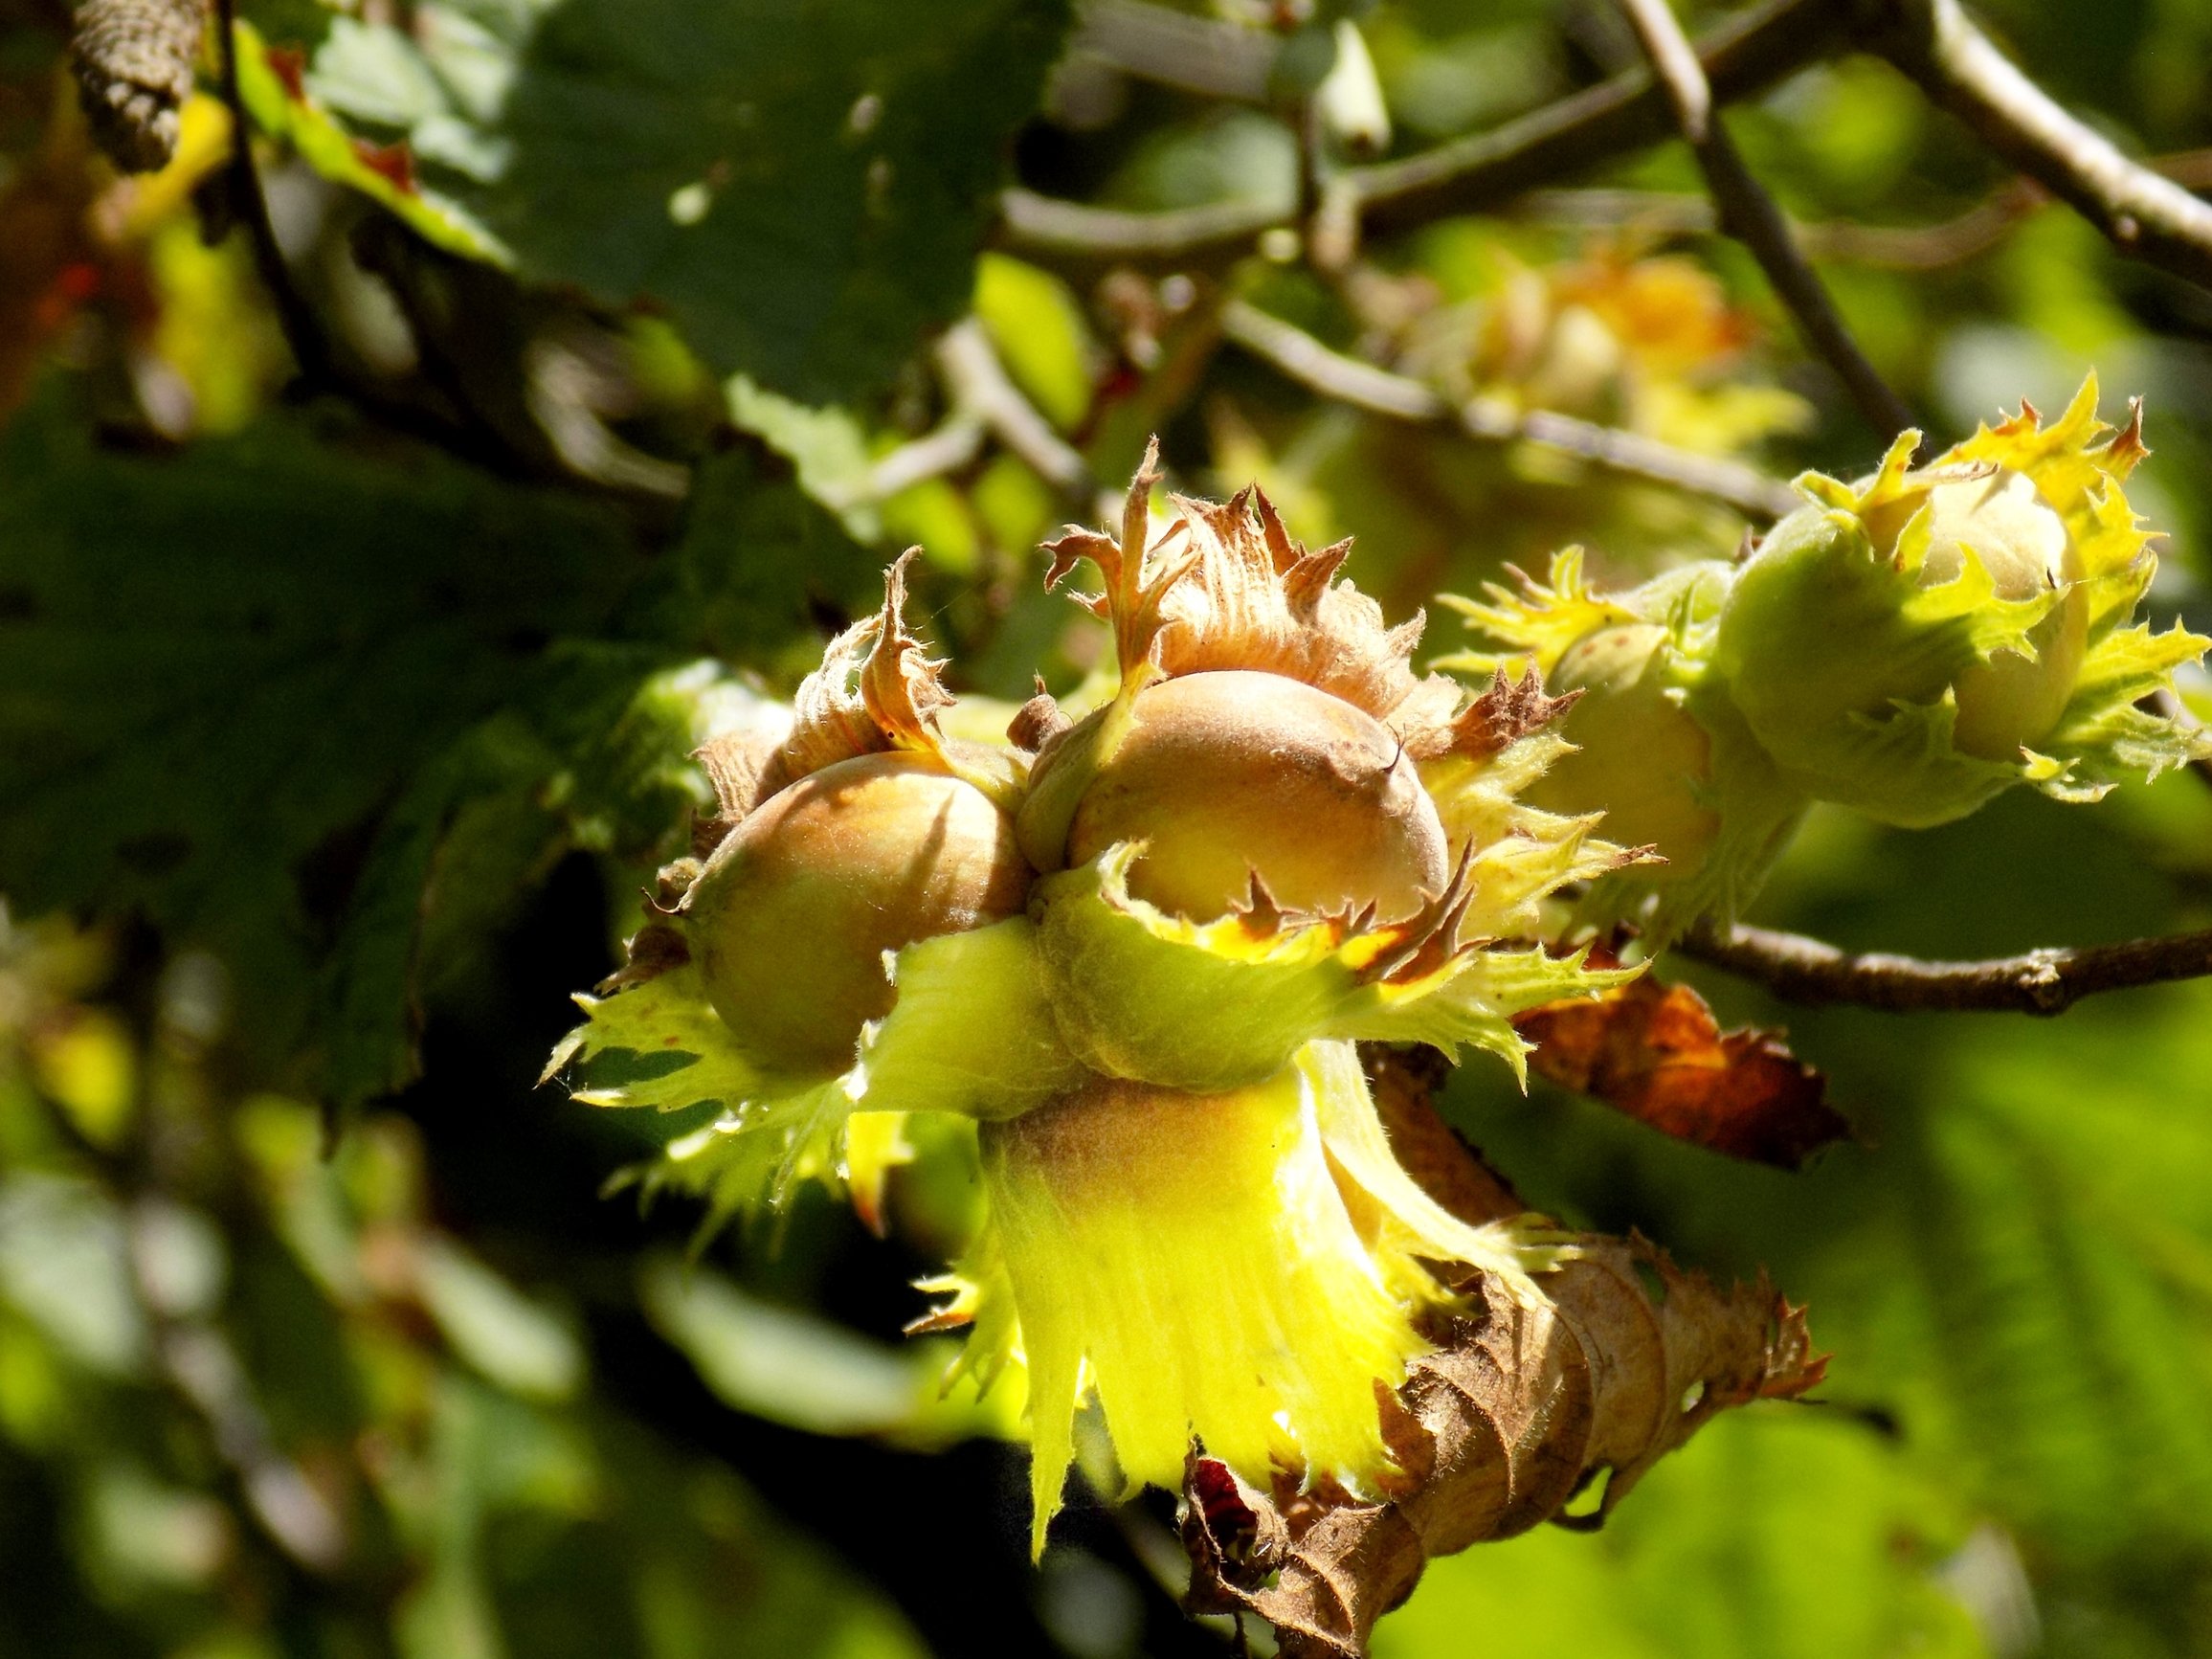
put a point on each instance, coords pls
(246, 690)
(802, 189)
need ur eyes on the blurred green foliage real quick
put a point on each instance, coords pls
(340, 729)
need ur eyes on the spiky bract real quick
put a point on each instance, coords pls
(1907, 646)
(1137, 951)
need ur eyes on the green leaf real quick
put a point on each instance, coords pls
(800, 1370)
(329, 710)
(1038, 326)
(220, 671)
(326, 147)
(524, 1348)
(367, 1008)
(758, 566)
(802, 186)
(828, 446)
(292, 23)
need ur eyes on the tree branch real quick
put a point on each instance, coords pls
(1930, 247)
(985, 402)
(979, 384)
(2048, 981)
(1300, 357)
(1747, 212)
(1176, 49)
(2145, 215)
(1661, 214)
(1740, 57)
(946, 447)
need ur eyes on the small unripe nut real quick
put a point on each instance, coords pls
(1825, 640)
(1230, 773)
(1639, 756)
(792, 915)
(2008, 702)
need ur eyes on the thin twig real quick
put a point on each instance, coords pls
(985, 402)
(1347, 380)
(1741, 58)
(1662, 214)
(2048, 981)
(980, 383)
(302, 330)
(1176, 49)
(944, 448)
(1218, 233)
(1665, 213)
(1747, 213)
(2147, 217)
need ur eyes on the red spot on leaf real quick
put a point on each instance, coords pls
(289, 65)
(77, 283)
(1656, 1053)
(393, 163)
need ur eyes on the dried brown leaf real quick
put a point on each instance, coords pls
(1655, 1052)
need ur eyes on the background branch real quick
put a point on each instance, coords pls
(1930, 247)
(1747, 212)
(1663, 213)
(1347, 380)
(2146, 215)
(980, 384)
(2048, 981)
(946, 447)
(1178, 49)
(1741, 58)
(985, 403)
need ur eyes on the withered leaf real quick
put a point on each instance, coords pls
(50, 264)
(1516, 1411)
(1655, 1052)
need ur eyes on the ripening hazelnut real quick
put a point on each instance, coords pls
(1226, 774)
(792, 915)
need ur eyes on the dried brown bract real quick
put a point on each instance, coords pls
(1517, 1411)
